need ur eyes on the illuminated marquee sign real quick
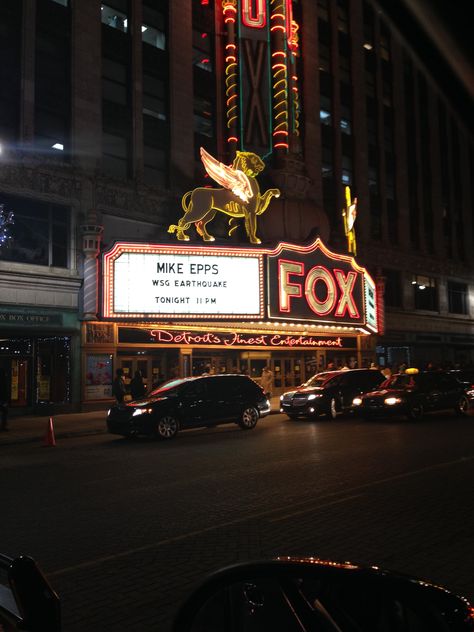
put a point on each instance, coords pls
(157, 281)
(303, 283)
(189, 338)
(314, 284)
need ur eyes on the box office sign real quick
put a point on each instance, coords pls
(157, 281)
(191, 338)
(311, 283)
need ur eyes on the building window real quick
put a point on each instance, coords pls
(113, 17)
(115, 152)
(393, 288)
(154, 98)
(457, 298)
(202, 53)
(325, 110)
(155, 93)
(40, 234)
(153, 28)
(52, 78)
(426, 292)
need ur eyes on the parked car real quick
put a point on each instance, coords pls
(189, 403)
(412, 394)
(329, 393)
(465, 376)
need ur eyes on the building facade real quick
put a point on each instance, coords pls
(107, 107)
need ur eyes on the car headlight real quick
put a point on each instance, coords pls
(357, 401)
(141, 411)
(392, 401)
(314, 396)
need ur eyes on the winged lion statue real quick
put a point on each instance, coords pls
(239, 196)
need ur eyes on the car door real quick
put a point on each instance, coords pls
(432, 389)
(193, 403)
(222, 395)
(451, 391)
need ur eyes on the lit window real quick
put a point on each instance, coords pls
(153, 36)
(426, 292)
(113, 18)
(346, 126)
(325, 117)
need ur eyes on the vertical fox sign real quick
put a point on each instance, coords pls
(261, 50)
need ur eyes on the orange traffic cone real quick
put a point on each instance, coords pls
(49, 439)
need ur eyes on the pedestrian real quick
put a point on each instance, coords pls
(118, 386)
(387, 372)
(4, 399)
(267, 381)
(137, 386)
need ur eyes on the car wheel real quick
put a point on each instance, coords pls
(249, 418)
(462, 407)
(166, 427)
(416, 411)
(332, 410)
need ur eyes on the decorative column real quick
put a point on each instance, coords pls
(91, 240)
(229, 8)
(380, 285)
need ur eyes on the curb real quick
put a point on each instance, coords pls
(68, 434)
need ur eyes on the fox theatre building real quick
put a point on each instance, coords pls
(182, 310)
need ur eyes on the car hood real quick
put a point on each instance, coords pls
(389, 392)
(305, 390)
(146, 401)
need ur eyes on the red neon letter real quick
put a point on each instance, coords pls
(254, 13)
(319, 273)
(285, 288)
(346, 301)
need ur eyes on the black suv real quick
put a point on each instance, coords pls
(412, 394)
(189, 403)
(329, 393)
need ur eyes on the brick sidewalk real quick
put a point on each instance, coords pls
(34, 428)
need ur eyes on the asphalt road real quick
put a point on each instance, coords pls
(124, 529)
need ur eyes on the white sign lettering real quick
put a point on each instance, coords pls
(187, 284)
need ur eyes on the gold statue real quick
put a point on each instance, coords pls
(349, 215)
(239, 197)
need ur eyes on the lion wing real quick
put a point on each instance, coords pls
(233, 179)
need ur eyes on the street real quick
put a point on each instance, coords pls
(124, 529)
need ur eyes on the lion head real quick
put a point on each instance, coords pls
(249, 163)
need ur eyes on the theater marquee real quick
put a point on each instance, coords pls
(313, 284)
(156, 281)
(289, 283)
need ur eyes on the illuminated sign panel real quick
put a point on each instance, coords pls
(305, 284)
(155, 281)
(311, 283)
(190, 338)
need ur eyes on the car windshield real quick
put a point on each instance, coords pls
(320, 379)
(403, 380)
(169, 386)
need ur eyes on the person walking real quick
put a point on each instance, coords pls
(267, 381)
(137, 386)
(118, 386)
(4, 400)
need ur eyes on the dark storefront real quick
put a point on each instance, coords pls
(36, 355)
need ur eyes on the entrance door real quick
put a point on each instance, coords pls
(130, 365)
